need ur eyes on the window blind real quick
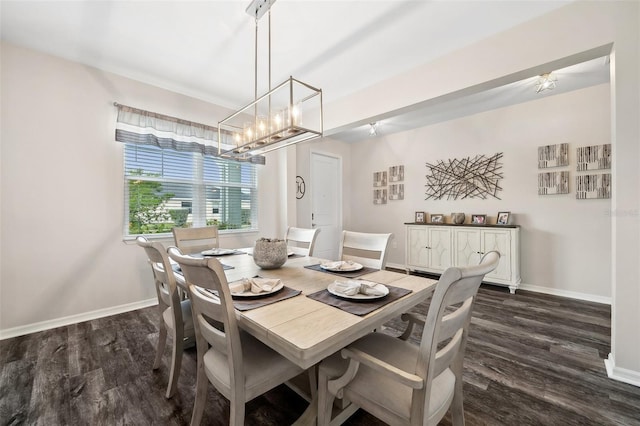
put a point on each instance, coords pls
(170, 181)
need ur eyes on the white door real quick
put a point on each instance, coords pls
(326, 206)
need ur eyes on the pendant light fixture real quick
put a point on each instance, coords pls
(287, 114)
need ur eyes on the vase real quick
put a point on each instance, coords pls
(457, 218)
(270, 253)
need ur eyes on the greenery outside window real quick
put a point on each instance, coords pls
(165, 188)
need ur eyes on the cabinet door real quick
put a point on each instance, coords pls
(500, 241)
(467, 247)
(439, 247)
(417, 243)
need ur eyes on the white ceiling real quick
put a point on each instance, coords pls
(205, 49)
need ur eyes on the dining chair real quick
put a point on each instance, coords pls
(364, 248)
(304, 236)
(239, 366)
(175, 313)
(195, 240)
(402, 383)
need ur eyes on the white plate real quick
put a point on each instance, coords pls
(218, 252)
(359, 296)
(342, 266)
(248, 293)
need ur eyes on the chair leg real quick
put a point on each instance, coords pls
(202, 382)
(236, 416)
(162, 342)
(325, 400)
(176, 361)
(457, 409)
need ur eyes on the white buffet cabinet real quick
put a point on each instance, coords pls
(432, 248)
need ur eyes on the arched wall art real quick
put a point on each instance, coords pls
(476, 177)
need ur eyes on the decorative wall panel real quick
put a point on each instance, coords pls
(380, 178)
(396, 174)
(380, 196)
(476, 177)
(396, 191)
(595, 157)
(553, 155)
(593, 186)
(551, 183)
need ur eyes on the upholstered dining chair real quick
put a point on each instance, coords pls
(238, 365)
(402, 383)
(175, 313)
(364, 248)
(306, 237)
(195, 240)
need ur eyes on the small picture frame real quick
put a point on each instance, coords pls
(503, 218)
(420, 217)
(437, 218)
(478, 219)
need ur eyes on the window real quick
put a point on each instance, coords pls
(165, 188)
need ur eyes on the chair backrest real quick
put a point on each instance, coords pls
(195, 240)
(444, 336)
(204, 276)
(165, 281)
(306, 237)
(364, 248)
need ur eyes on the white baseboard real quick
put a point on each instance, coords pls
(74, 319)
(621, 374)
(546, 290)
(564, 293)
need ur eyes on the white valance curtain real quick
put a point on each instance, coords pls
(136, 126)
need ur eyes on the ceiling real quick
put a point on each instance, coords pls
(205, 49)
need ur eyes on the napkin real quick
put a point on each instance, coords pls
(338, 265)
(353, 287)
(256, 285)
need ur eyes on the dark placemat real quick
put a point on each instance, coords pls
(176, 268)
(361, 307)
(245, 304)
(218, 256)
(346, 274)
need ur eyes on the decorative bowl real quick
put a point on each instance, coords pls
(270, 253)
(457, 218)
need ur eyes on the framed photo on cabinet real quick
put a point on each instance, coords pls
(420, 217)
(437, 218)
(478, 219)
(503, 218)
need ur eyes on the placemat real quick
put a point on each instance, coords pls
(253, 303)
(202, 256)
(347, 274)
(176, 268)
(361, 307)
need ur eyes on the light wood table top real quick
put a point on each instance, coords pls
(304, 330)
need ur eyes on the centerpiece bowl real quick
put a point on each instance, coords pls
(270, 253)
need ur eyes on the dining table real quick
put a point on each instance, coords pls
(310, 326)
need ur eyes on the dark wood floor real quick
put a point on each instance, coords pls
(532, 359)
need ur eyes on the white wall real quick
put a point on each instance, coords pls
(565, 242)
(574, 31)
(62, 253)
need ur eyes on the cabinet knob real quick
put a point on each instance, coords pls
(427, 247)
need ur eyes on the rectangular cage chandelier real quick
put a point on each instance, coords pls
(287, 114)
